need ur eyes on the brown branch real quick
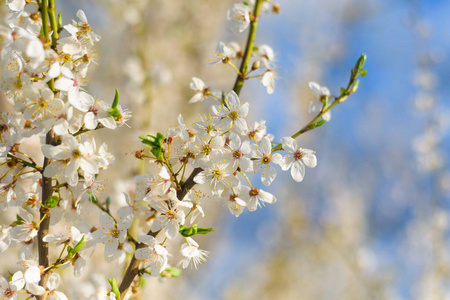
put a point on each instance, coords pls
(47, 191)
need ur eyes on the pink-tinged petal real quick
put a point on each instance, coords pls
(310, 160)
(268, 175)
(298, 171)
(106, 221)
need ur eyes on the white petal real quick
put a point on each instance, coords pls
(298, 171)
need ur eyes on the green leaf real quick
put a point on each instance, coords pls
(71, 252)
(363, 72)
(343, 91)
(204, 230)
(174, 272)
(92, 197)
(52, 201)
(148, 140)
(320, 123)
(255, 48)
(114, 287)
(189, 231)
(116, 100)
(59, 21)
(360, 62)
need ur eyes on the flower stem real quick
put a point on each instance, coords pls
(249, 48)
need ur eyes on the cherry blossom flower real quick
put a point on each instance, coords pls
(254, 195)
(298, 160)
(232, 201)
(264, 157)
(316, 105)
(171, 217)
(268, 80)
(232, 112)
(192, 254)
(111, 233)
(153, 256)
(223, 53)
(201, 92)
(238, 18)
(218, 174)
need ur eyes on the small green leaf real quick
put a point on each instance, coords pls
(174, 272)
(52, 201)
(116, 100)
(59, 20)
(255, 48)
(92, 197)
(320, 123)
(71, 252)
(114, 287)
(363, 72)
(148, 140)
(343, 91)
(108, 200)
(204, 230)
(189, 231)
(360, 62)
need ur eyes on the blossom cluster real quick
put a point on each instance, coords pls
(44, 78)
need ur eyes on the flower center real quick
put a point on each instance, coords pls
(115, 233)
(237, 154)
(253, 192)
(76, 153)
(266, 159)
(298, 155)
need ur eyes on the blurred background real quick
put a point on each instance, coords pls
(371, 220)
